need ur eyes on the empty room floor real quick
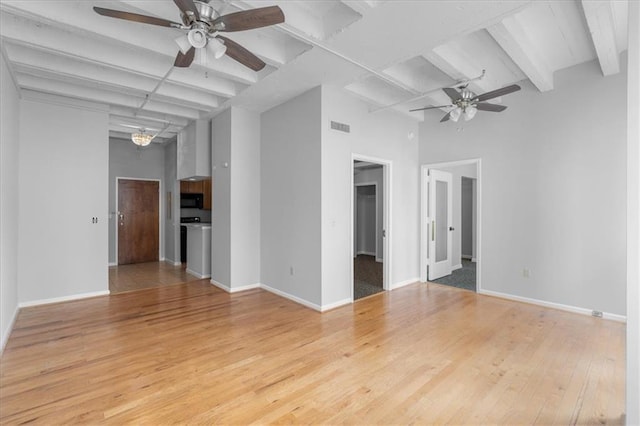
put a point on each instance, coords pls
(138, 276)
(423, 353)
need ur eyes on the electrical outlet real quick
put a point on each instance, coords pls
(597, 314)
(526, 272)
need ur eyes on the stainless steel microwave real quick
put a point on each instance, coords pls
(191, 201)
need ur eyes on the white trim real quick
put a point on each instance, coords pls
(9, 329)
(235, 289)
(405, 283)
(474, 260)
(456, 267)
(379, 260)
(553, 305)
(367, 253)
(112, 264)
(63, 299)
(161, 216)
(197, 274)
(466, 256)
(387, 208)
(424, 175)
(335, 305)
(291, 297)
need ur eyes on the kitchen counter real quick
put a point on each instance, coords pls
(199, 249)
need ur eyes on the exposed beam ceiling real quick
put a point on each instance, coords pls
(391, 54)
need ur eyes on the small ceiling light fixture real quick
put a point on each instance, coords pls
(216, 48)
(470, 112)
(141, 138)
(455, 114)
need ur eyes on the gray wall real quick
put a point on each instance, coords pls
(171, 224)
(221, 214)
(467, 226)
(235, 250)
(553, 188)
(64, 148)
(129, 161)
(382, 135)
(290, 177)
(9, 190)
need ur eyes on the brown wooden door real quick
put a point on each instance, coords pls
(138, 221)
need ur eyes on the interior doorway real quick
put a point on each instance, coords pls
(370, 226)
(137, 221)
(450, 224)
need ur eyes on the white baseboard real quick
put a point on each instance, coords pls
(455, 267)
(9, 329)
(379, 260)
(113, 264)
(291, 297)
(404, 283)
(473, 259)
(234, 289)
(466, 256)
(368, 253)
(63, 299)
(335, 305)
(560, 306)
(172, 262)
(197, 274)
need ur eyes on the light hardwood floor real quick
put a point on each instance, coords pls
(137, 276)
(421, 354)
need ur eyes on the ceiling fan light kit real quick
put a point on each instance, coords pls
(202, 23)
(467, 103)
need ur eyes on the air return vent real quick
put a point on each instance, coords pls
(341, 127)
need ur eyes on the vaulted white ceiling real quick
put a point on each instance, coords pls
(392, 54)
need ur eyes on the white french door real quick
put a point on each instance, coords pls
(441, 220)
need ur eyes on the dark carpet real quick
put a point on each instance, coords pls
(367, 276)
(461, 278)
(362, 289)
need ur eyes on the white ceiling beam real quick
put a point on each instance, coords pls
(155, 118)
(511, 36)
(453, 62)
(104, 42)
(600, 19)
(110, 98)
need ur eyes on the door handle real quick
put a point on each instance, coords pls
(451, 228)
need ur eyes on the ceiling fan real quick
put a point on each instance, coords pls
(467, 103)
(202, 24)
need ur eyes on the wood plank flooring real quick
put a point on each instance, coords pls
(421, 354)
(137, 276)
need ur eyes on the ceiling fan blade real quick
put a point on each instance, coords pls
(497, 92)
(446, 117)
(188, 8)
(249, 19)
(184, 60)
(452, 93)
(135, 17)
(490, 107)
(430, 107)
(242, 55)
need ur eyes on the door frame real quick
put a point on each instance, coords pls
(387, 254)
(355, 212)
(424, 218)
(160, 216)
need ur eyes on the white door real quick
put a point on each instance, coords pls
(441, 218)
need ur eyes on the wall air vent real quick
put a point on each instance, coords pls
(341, 127)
